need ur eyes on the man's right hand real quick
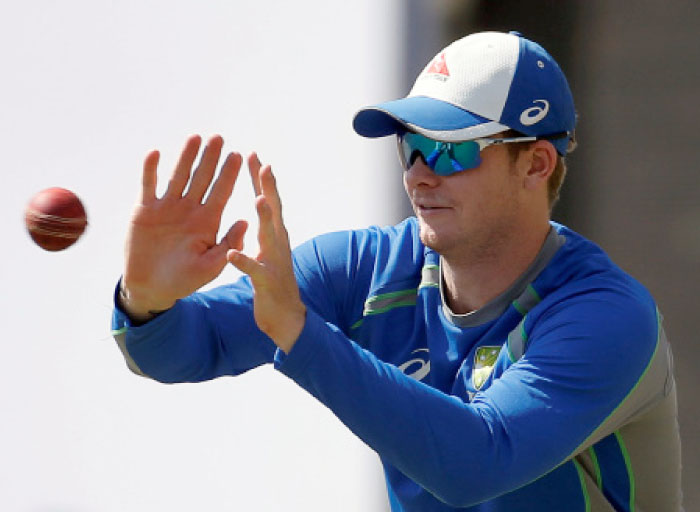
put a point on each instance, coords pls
(171, 248)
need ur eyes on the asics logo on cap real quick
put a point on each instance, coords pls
(535, 114)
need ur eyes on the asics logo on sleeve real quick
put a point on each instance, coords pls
(418, 367)
(535, 114)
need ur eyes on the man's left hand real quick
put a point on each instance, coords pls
(278, 309)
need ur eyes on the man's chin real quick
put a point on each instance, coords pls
(432, 239)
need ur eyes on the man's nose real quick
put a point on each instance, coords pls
(420, 174)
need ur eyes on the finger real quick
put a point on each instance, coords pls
(271, 194)
(268, 184)
(201, 179)
(266, 228)
(181, 174)
(149, 178)
(254, 167)
(223, 186)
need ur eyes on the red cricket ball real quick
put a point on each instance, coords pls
(55, 218)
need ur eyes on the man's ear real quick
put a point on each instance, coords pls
(542, 160)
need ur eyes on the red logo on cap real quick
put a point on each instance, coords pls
(439, 66)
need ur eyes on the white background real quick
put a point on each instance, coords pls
(88, 88)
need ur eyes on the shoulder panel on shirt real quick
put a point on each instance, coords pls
(653, 385)
(625, 359)
(339, 272)
(585, 356)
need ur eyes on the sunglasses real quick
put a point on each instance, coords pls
(446, 158)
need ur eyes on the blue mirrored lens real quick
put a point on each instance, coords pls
(444, 158)
(467, 154)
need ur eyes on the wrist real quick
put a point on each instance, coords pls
(289, 337)
(138, 310)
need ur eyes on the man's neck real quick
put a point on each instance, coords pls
(471, 282)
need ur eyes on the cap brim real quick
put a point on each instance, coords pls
(430, 117)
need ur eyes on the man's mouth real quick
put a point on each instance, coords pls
(429, 206)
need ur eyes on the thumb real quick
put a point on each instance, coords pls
(244, 263)
(233, 239)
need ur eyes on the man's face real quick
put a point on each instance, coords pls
(469, 212)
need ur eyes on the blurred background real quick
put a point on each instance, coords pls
(89, 87)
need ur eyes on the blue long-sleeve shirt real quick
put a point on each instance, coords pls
(557, 395)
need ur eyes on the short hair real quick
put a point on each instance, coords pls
(556, 179)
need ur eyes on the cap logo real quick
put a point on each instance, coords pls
(438, 66)
(534, 114)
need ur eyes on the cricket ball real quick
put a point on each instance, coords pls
(55, 218)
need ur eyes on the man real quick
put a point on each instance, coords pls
(494, 360)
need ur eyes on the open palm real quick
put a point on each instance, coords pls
(171, 248)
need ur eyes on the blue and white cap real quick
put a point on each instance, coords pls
(482, 84)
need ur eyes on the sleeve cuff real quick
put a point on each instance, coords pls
(305, 348)
(121, 322)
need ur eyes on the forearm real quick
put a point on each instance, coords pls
(201, 337)
(437, 440)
